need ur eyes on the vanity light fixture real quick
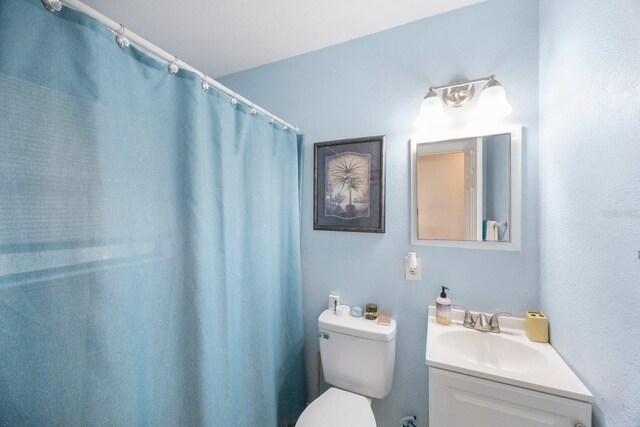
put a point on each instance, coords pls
(431, 110)
(492, 102)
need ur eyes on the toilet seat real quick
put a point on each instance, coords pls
(338, 408)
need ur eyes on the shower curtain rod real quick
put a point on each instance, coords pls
(160, 53)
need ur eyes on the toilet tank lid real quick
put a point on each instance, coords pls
(357, 326)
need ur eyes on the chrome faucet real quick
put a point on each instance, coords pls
(481, 323)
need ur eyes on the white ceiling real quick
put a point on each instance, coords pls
(224, 36)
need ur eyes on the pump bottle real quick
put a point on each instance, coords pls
(443, 308)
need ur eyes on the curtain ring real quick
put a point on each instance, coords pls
(271, 119)
(173, 66)
(204, 84)
(253, 110)
(233, 101)
(53, 5)
(121, 39)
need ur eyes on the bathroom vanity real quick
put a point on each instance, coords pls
(487, 379)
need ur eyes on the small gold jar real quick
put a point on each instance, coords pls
(371, 311)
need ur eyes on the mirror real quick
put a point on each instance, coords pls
(466, 191)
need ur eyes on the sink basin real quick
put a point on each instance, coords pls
(499, 351)
(508, 357)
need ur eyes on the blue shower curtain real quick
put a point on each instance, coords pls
(149, 239)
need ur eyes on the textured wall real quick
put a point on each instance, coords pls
(590, 196)
(374, 85)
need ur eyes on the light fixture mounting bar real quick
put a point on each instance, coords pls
(463, 83)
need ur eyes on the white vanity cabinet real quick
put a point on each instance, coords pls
(499, 379)
(457, 400)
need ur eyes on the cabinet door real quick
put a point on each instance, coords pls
(457, 400)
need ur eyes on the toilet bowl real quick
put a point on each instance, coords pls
(358, 358)
(338, 408)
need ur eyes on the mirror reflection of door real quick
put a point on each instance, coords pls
(451, 202)
(463, 189)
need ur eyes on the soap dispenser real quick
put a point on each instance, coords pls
(443, 308)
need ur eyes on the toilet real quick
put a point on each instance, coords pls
(358, 358)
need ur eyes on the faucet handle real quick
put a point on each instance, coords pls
(468, 317)
(494, 325)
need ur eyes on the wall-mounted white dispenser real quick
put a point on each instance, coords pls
(412, 267)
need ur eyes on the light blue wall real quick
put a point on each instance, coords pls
(374, 85)
(590, 196)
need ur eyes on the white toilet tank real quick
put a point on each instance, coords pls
(358, 355)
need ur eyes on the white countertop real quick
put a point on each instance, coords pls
(527, 364)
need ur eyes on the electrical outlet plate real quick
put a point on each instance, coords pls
(417, 272)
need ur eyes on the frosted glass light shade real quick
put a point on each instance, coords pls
(493, 101)
(431, 110)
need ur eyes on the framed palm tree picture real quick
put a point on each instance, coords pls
(348, 186)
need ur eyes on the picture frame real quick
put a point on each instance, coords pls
(349, 185)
